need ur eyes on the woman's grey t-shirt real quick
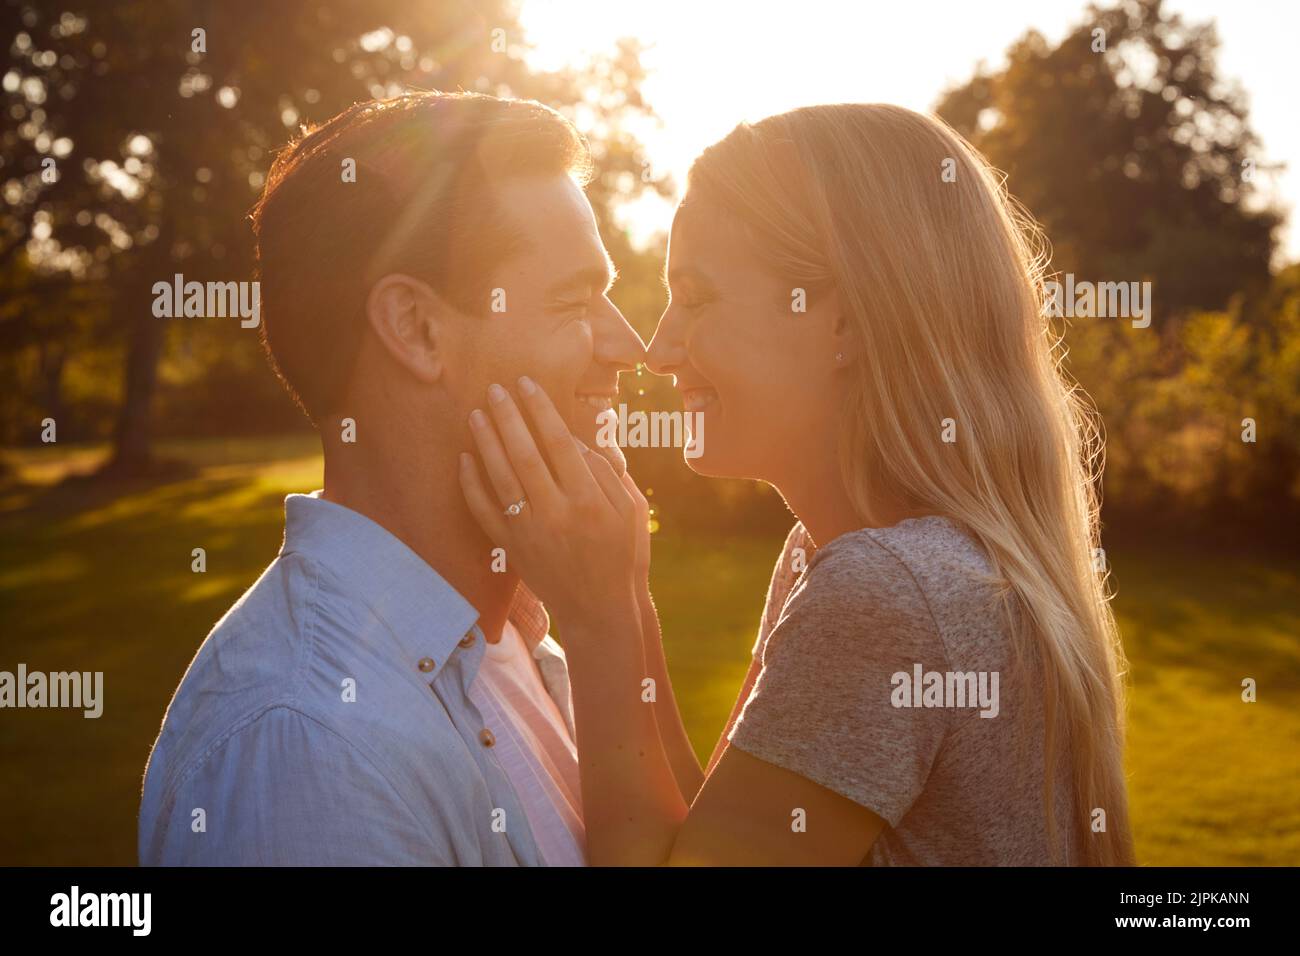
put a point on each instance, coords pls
(844, 625)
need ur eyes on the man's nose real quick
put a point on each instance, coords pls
(616, 342)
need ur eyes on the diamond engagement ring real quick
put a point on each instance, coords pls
(516, 508)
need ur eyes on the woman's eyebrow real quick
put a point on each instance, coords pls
(689, 275)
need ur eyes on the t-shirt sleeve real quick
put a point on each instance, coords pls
(784, 575)
(823, 705)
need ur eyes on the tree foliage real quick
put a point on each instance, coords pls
(161, 137)
(1139, 162)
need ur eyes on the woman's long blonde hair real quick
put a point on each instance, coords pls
(941, 273)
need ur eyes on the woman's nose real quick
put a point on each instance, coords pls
(666, 352)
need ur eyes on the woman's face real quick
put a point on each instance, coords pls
(760, 372)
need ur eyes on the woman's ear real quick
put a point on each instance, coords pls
(407, 315)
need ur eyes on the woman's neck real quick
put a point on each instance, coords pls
(818, 498)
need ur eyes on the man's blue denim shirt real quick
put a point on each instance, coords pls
(326, 720)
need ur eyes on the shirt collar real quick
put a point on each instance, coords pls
(426, 615)
(529, 617)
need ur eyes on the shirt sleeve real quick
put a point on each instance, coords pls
(285, 790)
(823, 705)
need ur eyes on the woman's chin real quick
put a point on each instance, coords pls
(706, 465)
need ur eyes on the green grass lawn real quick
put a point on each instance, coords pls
(98, 579)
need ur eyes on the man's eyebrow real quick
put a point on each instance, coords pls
(592, 277)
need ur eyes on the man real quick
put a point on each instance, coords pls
(386, 692)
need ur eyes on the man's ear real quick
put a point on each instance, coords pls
(407, 316)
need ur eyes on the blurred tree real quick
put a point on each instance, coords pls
(161, 136)
(1130, 150)
(1139, 162)
(1222, 430)
(44, 324)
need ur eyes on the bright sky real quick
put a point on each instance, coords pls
(714, 63)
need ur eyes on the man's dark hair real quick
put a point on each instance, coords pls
(422, 204)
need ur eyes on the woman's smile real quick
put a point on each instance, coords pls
(698, 398)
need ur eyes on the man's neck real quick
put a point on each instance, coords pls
(419, 502)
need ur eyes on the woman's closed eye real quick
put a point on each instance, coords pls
(693, 304)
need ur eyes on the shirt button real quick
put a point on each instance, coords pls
(467, 640)
(426, 664)
(486, 737)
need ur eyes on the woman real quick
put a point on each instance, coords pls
(856, 313)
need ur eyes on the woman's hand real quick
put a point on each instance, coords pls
(642, 564)
(641, 560)
(574, 539)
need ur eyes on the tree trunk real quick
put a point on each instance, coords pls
(52, 358)
(133, 437)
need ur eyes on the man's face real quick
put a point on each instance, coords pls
(557, 324)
